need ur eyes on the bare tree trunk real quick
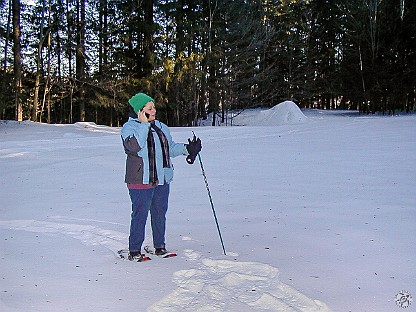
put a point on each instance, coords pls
(36, 95)
(103, 38)
(38, 67)
(80, 57)
(373, 6)
(148, 37)
(71, 96)
(212, 66)
(6, 46)
(362, 81)
(69, 21)
(17, 60)
(48, 84)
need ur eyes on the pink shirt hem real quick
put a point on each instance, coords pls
(133, 186)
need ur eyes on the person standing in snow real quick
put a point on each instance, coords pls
(149, 148)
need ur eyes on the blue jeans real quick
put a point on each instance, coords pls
(154, 200)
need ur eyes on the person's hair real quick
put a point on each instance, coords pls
(131, 113)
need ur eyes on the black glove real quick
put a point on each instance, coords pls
(193, 147)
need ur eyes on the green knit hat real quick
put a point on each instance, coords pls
(139, 101)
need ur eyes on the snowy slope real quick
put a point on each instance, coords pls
(317, 213)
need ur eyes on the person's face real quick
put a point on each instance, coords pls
(150, 109)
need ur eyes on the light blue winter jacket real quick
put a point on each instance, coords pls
(134, 136)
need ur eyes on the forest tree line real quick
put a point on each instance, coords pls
(65, 61)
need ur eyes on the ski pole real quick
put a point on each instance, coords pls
(212, 204)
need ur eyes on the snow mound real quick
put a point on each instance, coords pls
(284, 113)
(281, 114)
(93, 127)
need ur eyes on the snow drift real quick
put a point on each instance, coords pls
(281, 114)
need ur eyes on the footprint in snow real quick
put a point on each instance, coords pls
(225, 285)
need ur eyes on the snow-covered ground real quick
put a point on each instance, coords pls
(316, 208)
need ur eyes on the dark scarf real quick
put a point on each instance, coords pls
(151, 151)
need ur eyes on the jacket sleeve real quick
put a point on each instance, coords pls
(134, 136)
(131, 146)
(178, 149)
